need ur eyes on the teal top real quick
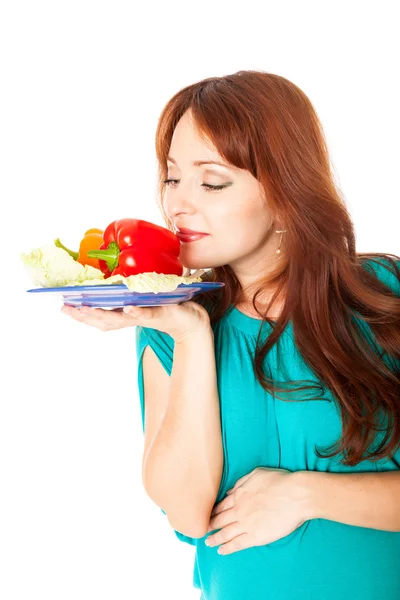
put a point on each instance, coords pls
(322, 559)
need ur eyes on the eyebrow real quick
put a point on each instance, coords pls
(198, 163)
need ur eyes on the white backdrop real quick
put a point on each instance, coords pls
(82, 86)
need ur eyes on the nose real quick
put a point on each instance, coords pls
(178, 202)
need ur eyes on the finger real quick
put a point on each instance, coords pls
(84, 314)
(228, 502)
(225, 535)
(71, 311)
(222, 519)
(241, 481)
(240, 542)
(141, 312)
(97, 317)
(81, 311)
(132, 311)
(107, 318)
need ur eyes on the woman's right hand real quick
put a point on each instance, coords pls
(177, 320)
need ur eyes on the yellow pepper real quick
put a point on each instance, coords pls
(92, 240)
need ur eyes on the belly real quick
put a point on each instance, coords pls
(321, 560)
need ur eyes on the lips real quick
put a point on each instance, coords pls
(185, 237)
(189, 231)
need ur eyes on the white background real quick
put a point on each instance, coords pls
(82, 87)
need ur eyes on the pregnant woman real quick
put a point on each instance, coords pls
(271, 406)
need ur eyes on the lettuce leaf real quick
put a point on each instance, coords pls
(50, 266)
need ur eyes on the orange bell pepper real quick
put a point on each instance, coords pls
(92, 240)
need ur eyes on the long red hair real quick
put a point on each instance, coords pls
(265, 124)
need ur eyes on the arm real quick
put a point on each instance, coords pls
(362, 499)
(183, 466)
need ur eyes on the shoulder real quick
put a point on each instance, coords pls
(161, 343)
(386, 268)
(147, 335)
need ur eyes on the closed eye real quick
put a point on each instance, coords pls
(208, 186)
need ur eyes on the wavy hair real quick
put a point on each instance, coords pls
(265, 124)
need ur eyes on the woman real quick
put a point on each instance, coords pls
(272, 422)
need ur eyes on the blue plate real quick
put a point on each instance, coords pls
(119, 295)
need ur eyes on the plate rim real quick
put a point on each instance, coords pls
(113, 286)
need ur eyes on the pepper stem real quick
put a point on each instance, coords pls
(70, 252)
(109, 254)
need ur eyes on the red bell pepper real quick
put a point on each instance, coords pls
(133, 246)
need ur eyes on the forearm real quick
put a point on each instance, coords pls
(184, 464)
(363, 499)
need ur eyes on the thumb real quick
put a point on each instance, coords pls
(138, 312)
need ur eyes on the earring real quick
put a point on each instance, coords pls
(282, 231)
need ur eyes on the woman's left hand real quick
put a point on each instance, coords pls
(262, 507)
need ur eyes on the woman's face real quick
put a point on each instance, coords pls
(241, 232)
